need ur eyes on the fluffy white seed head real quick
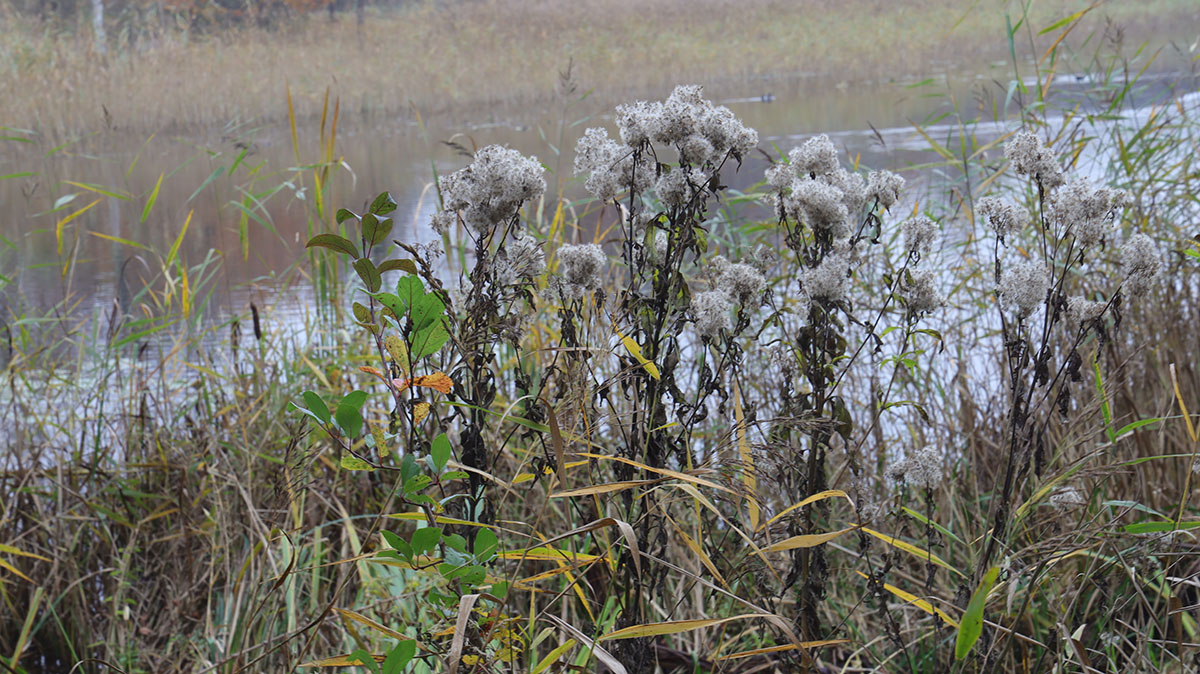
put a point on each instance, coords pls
(492, 188)
(1141, 263)
(1086, 211)
(1023, 287)
(1002, 216)
(884, 187)
(829, 281)
(1082, 311)
(582, 266)
(522, 261)
(816, 156)
(820, 205)
(922, 469)
(1030, 157)
(711, 311)
(920, 293)
(919, 234)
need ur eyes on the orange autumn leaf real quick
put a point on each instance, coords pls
(372, 370)
(438, 381)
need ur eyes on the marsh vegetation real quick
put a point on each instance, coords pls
(635, 383)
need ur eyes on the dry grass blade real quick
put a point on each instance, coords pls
(596, 649)
(767, 650)
(807, 540)
(661, 471)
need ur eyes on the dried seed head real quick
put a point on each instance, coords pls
(1030, 157)
(1002, 216)
(1023, 287)
(919, 234)
(711, 312)
(884, 187)
(1141, 263)
(492, 188)
(582, 266)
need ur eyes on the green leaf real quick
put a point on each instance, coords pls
(368, 273)
(333, 242)
(456, 543)
(971, 625)
(425, 540)
(429, 341)
(344, 215)
(415, 484)
(1157, 527)
(398, 265)
(486, 543)
(318, 406)
(351, 462)
(361, 313)
(375, 230)
(409, 289)
(400, 656)
(440, 451)
(383, 204)
(349, 414)
(151, 200)
(426, 311)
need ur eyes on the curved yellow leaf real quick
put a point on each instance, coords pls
(785, 647)
(819, 496)
(807, 540)
(552, 657)
(913, 599)
(606, 488)
(661, 471)
(923, 555)
(673, 627)
(635, 350)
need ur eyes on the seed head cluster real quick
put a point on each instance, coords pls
(920, 292)
(830, 280)
(520, 261)
(884, 187)
(1081, 311)
(1002, 216)
(491, 189)
(1086, 211)
(582, 266)
(1023, 287)
(919, 235)
(922, 469)
(711, 311)
(812, 188)
(1141, 264)
(1031, 157)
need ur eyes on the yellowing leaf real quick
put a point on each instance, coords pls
(635, 350)
(420, 411)
(399, 353)
(439, 381)
(786, 647)
(364, 620)
(913, 599)
(606, 488)
(747, 458)
(553, 656)
(819, 496)
(661, 471)
(549, 554)
(807, 540)
(911, 549)
(673, 627)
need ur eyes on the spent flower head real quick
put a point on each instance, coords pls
(920, 293)
(830, 280)
(884, 187)
(711, 311)
(922, 469)
(1082, 311)
(816, 156)
(1002, 216)
(1086, 211)
(1023, 287)
(582, 265)
(919, 234)
(1141, 263)
(1031, 157)
(491, 189)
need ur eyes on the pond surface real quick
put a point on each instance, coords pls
(72, 246)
